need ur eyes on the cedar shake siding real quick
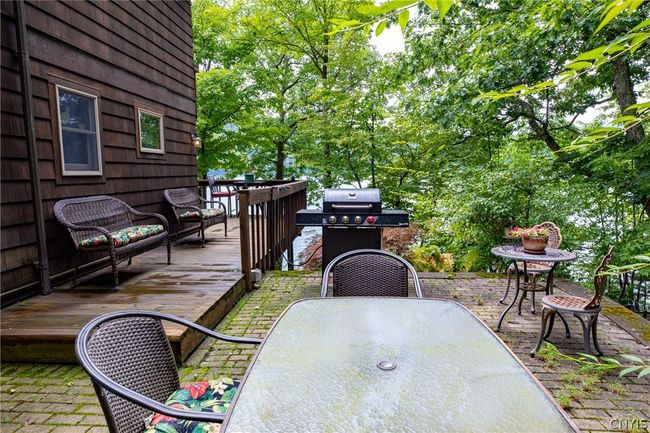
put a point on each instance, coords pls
(123, 57)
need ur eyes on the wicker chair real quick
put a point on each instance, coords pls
(579, 307)
(369, 272)
(535, 270)
(103, 223)
(131, 365)
(188, 208)
(227, 192)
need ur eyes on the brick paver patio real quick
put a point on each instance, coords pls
(59, 398)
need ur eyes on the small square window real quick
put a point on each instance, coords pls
(151, 137)
(78, 132)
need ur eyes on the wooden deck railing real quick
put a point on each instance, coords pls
(267, 224)
(267, 221)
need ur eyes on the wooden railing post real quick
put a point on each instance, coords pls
(244, 237)
(267, 224)
(272, 231)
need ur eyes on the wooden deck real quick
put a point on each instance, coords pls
(201, 285)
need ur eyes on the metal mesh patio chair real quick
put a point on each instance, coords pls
(131, 365)
(535, 270)
(369, 272)
(579, 307)
(188, 208)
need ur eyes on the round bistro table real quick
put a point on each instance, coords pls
(517, 255)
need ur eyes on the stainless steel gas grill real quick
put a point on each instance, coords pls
(351, 219)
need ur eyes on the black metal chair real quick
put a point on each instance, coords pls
(224, 191)
(130, 362)
(369, 272)
(579, 307)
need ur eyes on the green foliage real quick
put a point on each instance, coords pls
(430, 258)
(478, 126)
(603, 365)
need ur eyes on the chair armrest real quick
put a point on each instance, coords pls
(194, 208)
(97, 376)
(142, 400)
(165, 223)
(223, 206)
(174, 319)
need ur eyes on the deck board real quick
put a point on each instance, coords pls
(200, 285)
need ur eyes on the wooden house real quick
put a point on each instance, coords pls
(110, 87)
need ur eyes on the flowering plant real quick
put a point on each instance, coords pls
(535, 231)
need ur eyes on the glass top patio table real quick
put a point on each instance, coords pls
(443, 371)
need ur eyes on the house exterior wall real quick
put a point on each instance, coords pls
(129, 55)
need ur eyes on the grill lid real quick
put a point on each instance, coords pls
(360, 201)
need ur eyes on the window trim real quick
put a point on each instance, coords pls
(159, 115)
(64, 172)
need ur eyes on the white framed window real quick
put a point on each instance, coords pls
(151, 131)
(78, 132)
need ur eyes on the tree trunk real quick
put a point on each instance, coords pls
(372, 151)
(279, 160)
(328, 181)
(624, 92)
(279, 149)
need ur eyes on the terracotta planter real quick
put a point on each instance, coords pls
(534, 244)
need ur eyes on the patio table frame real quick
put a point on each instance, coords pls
(515, 253)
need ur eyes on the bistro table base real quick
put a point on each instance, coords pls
(517, 254)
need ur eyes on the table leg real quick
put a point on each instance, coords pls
(532, 302)
(521, 301)
(514, 299)
(505, 295)
(524, 295)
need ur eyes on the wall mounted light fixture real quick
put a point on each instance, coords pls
(196, 141)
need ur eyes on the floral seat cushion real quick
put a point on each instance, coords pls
(206, 213)
(214, 396)
(124, 236)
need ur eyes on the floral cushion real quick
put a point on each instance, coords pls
(207, 213)
(214, 396)
(124, 236)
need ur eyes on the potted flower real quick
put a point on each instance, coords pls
(535, 240)
(512, 235)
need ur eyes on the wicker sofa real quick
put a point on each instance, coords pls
(103, 223)
(188, 209)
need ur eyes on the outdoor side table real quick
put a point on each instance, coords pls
(388, 365)
(516, 253)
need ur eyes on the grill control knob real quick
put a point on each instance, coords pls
(345, 219)
(357, 219)
(371, 220)
(332, 219)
